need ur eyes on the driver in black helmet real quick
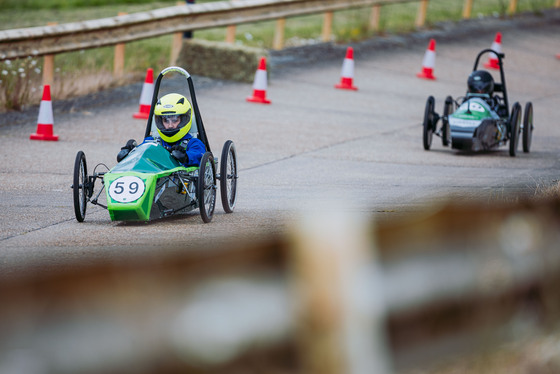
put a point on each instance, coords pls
(481, 84)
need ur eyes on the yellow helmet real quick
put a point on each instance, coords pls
(173, 116)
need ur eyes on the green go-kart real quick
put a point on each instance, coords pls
(480, 122)
(150, 184)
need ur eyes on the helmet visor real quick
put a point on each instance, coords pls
(173, 125)
(170, 121)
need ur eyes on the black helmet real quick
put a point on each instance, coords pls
(481, 81)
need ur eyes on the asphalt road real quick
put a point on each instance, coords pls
(313, 146)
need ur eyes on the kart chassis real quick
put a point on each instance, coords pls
(188, 187)
(510, 121)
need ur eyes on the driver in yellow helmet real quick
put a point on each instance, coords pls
(173, 117)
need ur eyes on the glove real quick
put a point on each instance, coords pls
(130, 144)
(180, 154)
(126, 149)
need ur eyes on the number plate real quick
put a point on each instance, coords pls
(127, 189)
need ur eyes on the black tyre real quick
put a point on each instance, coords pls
(79, 186)
(428, 123)
(527, 127)
(206, 187)
(228, 176)
(515, 128)
(445, 130)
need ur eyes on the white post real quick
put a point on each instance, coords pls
(342, 312)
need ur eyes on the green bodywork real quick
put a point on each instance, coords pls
(475, 126)
(475, 109)
(152, 164)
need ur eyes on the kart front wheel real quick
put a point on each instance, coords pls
(515, 128)
(79, 186)
(206, 187)
(228, 176)
(527, 127)
(445, 129)
(428, 124)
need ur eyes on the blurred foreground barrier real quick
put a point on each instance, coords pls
(335, 295)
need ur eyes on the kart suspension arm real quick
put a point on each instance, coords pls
(94, 201)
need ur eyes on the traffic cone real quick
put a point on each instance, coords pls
(558, 56)
(260, 85)
(45, 120)
(429, 62)
(347, 74)
(493, 59)
(146, 96)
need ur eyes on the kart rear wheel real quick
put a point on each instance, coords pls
(515, 128)
(445, 130)
(206, 187)
(228, 176)
(527, 127)
(79, 186)
(428, 123)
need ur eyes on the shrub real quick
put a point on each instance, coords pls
(19, 79)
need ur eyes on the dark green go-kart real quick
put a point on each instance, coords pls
(151, 184)
(479, 122)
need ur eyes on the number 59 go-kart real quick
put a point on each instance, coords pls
(149, 183)
(481, 120)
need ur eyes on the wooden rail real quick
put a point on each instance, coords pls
(39, 41)
(54, 39)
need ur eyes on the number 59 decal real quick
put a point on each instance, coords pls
(126, 189)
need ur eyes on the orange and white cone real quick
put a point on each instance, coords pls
(45, 120)
(260, 85)
(492, 62)
(146, 96)
(347, 73)
(429, 62)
